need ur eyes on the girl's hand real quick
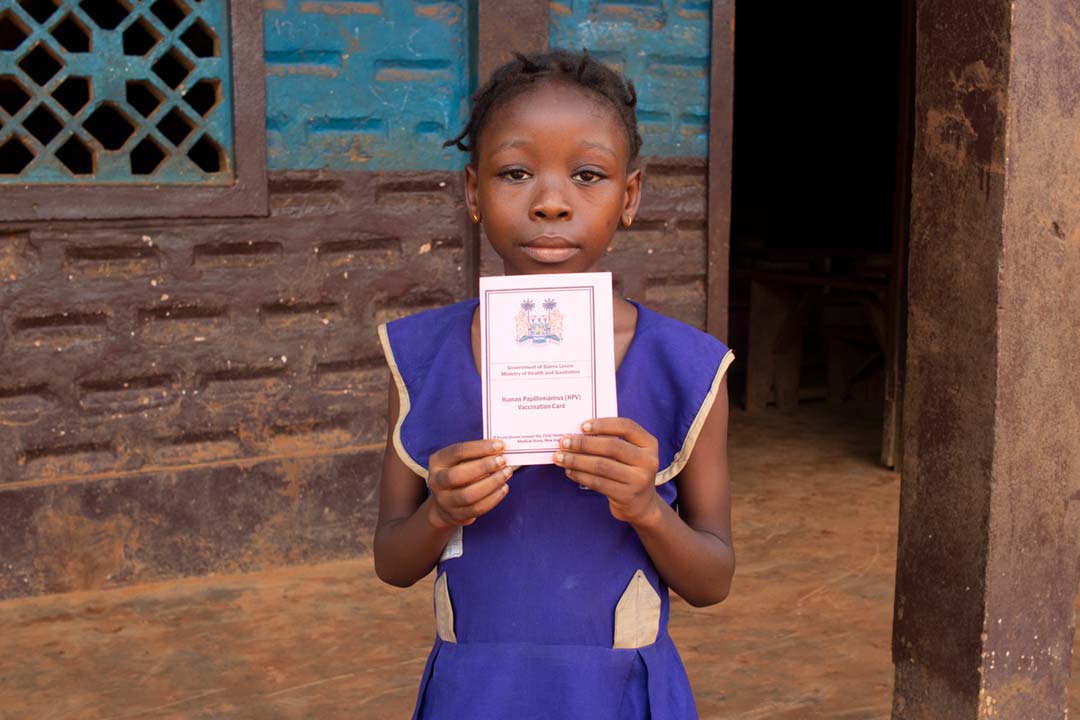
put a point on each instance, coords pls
(467, 480)
(618, 458)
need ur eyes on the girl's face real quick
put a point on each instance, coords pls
(551, 179)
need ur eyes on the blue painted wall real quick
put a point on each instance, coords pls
(365, 84)
(380, 84)
(663, 45)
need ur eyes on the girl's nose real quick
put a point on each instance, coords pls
(550, 204)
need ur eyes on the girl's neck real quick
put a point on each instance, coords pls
(626, 318)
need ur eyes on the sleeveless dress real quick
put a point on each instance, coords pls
(547, 606)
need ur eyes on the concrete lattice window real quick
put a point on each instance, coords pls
(136, 95)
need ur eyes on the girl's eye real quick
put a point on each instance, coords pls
(514, 174)
(589, 177)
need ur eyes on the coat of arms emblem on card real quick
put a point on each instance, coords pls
(539, 326)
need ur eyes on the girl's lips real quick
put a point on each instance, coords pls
(550, 249)
(544, 254)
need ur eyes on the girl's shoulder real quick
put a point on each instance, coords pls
(421, 335)
(430, 358)
(672, 373)
(435, 319)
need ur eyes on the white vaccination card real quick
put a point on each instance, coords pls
(547, 359)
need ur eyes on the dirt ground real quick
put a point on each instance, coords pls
(804, 635)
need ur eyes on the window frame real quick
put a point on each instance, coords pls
(246, 196)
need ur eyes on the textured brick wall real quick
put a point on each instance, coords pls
(181, 398)
(365, 84)
(663, 45)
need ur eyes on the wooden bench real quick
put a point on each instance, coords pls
(779, 302)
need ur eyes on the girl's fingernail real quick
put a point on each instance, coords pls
(505, 489)
(566, 443)
(497, 445)
(559, 457)
(586, 427)
(507, 472)
(500, 461)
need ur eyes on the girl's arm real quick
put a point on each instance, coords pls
(466, 480)
(692, 550)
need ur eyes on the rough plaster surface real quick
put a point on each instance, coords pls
(989, 540)
(1034, 554)
(185, 397)
(956, 219)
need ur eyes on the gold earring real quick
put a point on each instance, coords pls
(628, 221)
(476, 218)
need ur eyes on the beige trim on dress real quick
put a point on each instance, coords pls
(444, 611)
(403, 405)
(637, 616)
(681, 457)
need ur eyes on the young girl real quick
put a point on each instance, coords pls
(551, 595)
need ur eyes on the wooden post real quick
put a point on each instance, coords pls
(721, 97)
(896, 299)
(989, 546)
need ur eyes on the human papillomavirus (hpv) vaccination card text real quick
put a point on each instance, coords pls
(547, 359)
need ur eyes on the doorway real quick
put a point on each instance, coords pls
(820, 213)
(821, 179)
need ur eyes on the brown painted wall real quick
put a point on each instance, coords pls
(181, 398)
(189, 397)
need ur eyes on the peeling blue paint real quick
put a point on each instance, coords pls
(348, 125)
(363, 85)
(663, 46)
(380, 84)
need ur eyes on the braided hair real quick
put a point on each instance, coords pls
(525, 71)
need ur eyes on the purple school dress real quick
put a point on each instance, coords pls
(548, 607)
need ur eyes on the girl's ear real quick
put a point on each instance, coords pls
(472, 194)
(632, 196)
